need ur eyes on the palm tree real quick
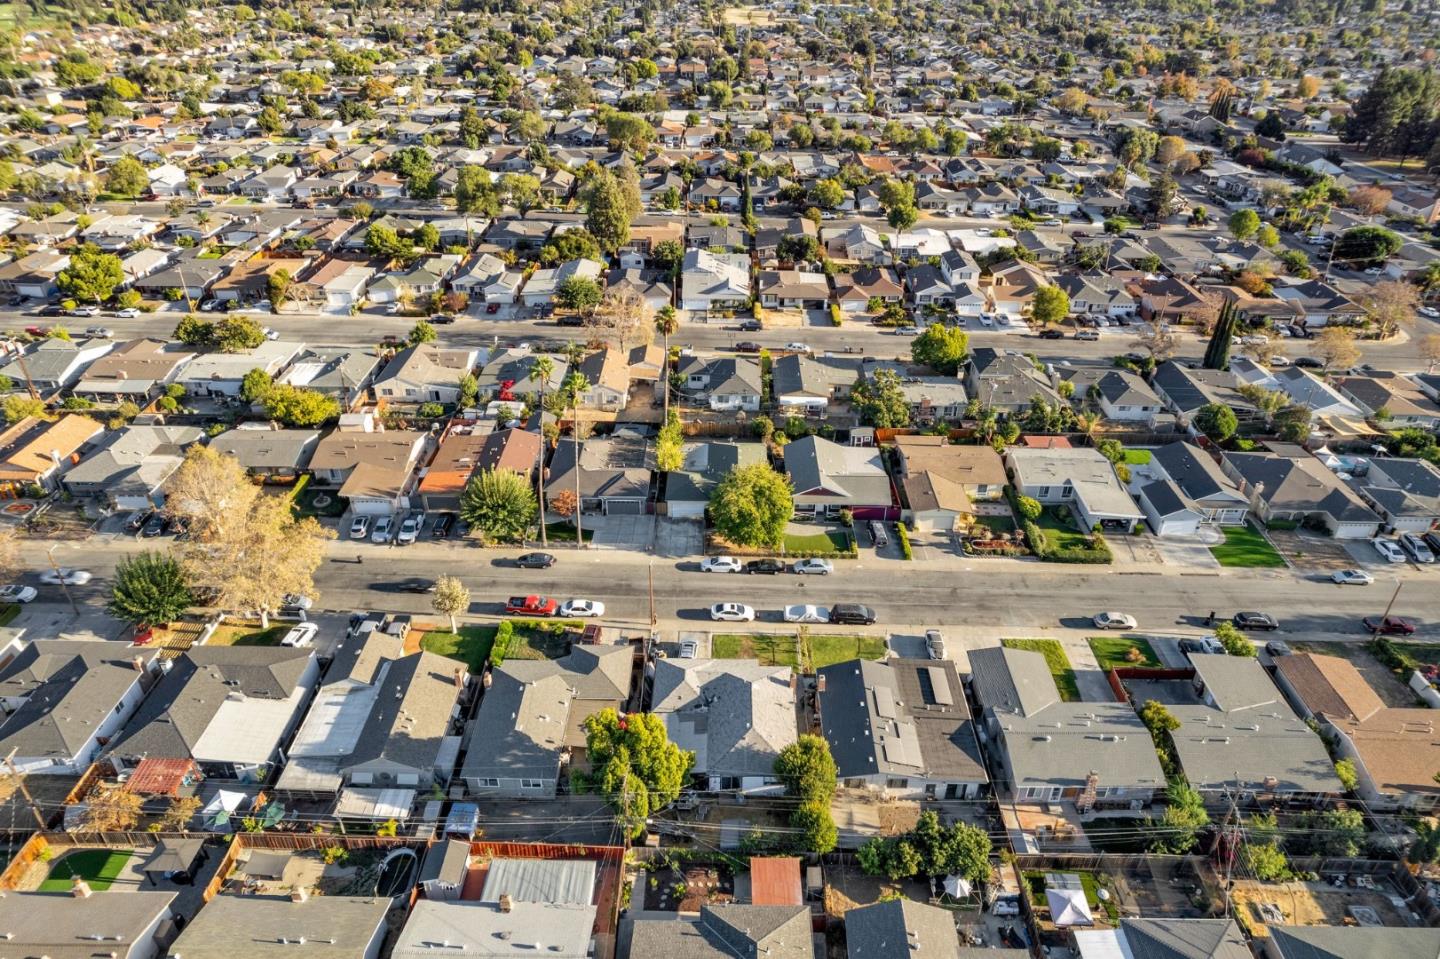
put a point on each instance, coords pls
(1087, 423)
(571, 389)
(541, 371)
(666, 323)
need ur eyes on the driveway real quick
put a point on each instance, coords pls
(1306, 550)
(621, 532)
(1186, 552)
(679, 537)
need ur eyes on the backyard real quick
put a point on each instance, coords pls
(247, 634)
(1137, 458)
(539, 638)
(780, 650)
(98, 867)
(1089, 881)
(1056, 659)
(1245, 547)
(471, 645)
(1113, 652)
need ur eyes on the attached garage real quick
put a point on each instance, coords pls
(1169, 511)
(623, 507)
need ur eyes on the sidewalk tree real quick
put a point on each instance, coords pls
(451, 597)
(1391, 305)
(752, 505)
(91, 275)
(1244, 223)
(634, 764)
(1235, 642)
(193, 331)
(150, 589)
(1335, 346)
(1049, 305)
(499, 504)
(940, 347)
(238, 332)
(622, 319)
(579, 293)
(422, 332)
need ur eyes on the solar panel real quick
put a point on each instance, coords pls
(884, 703)
(940, 686)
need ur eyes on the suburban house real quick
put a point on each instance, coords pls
(1006, 381)
(1182, 488)
(136, 370)
(854, 291)
(65, 698)
(36, 452)
(828, 477)
(1405, 492)
(222, 374)
(531, 720)
(542, 286)
(1244, 736)
(941, 481)
(47, 924)
(375, 470)
(607, 379)
(130, 471)
(1318, 942)
(1080, 478)
(808, 385)
(1185, 391)
(727, 931)
(268, 453)
(723, 383)
(1121, 396)
(1044, 749)
(908, 929)
(688, 489)
(381, 719)
(1320, 303)
(425, 373)
(714, 281)
(1403, 402)
(1164, 939)
(613, 472)
(463, 452)
(337, 371)
(793, 290)
(230, 925)
(507, 375)
(1287, 484)
(229, 708)
(735, 716)
(54, 364)
(901, 727)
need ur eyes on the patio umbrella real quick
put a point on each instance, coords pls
(1069, 908)
(957, 887)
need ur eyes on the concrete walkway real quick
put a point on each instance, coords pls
(1094, 687)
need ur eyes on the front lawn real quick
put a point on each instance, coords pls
(1056, 659)
(564, 532)
(540, 638)
(1061, 534)
(320, 502)
(767, 650)
(1111, 652)
(248, 634)
(828, 650)
(825, 541)
(996, 524)
(98, 867)
(1246, 548)
(471, 645)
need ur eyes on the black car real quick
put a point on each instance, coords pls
(1052, 334)
(442, 318)
(1432, 540)
(442, 525)
(852, 614)
(136, 521)
(1308, 363)
(570, 319)
(1253, 620)
(535, 561)
(416, 584)
(749, 326)
(748, 346)
(767, 566)
(154, 526)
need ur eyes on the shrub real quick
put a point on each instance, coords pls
(903, 536)
(504, 636)
(1282, 524)
(1029, 507)
(834, 314)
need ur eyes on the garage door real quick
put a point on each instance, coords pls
(624, 507)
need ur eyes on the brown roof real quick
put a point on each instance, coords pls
(1329, 686)
(343, 450)
(970, 465)
(136, 360)
(454, 462)
(156, 776)
(1398, 749)
(1045, 442)
(608, 367)
(775, 881)
(26, 447)
(517, 450)
(929, 490)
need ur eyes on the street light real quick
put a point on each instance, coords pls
(50, 555)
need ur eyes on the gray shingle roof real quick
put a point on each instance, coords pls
(729, 931)
(520, 730)
(1184, 939)
(901, 929)
(70, 688)
(1344, 942)
(735, 715)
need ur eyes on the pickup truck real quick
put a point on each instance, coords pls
(531, 605)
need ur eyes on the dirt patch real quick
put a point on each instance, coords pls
(848, 888)
(1308, 904)
(1381, 679)
(1311, 551)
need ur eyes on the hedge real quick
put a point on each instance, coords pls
(903, 535)
(834, 314)
(1098, 554)
(299, 486)
(504, 635)
(1282, 524)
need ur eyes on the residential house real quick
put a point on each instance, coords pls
(463, 452)
(426, 276)
(612, 476)
(860, 243)
(1120, 395)
(1318, 942)
(1006, 381)
(607, 379)
(1080, 478)
(1321, 303)
(1164, 939)
(131, 469)
(727, 931)
(280, 455)
(330, 926)
(61, 926)
(854, 291)
(828, 477)
(507, 375)
(714, 281)
(54, 364)
(1098, 295)
(808, 385)
(375, 471)
(1187, 490)
(1172, 300)
(1405, 492)
(337, 371)
(35, 452)
(1044, 749)
(901, 728)
(735, 716)
(1287, 484)
(223, 374)
(137, 370)
(1402, 401)
(425, 373)
(706, 463)
(908, 929)
(793, 290)
(543, 285)
(726, 383)
(1185, 391)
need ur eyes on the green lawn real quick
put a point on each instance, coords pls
(826, 541)
(471, 645)
(564, 532)
(331, 503)
(1110, 652)
(248, 635)
(1137, 457)
(781, 650)
(996, 524)
(1061, 534)
(1244, 547)
(8, 612)
(98, 867)
(1056, 659)
(540, 638)
(828, 650)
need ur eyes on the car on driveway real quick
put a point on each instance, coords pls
(813, 567)
(1389, 626)
(301, 636)
(441, 527)
(136, 521)
(582, 609)
(154, 526)
(1351, 577)
(1114, 621)
(360, 527)
(720, 564)
(852, 614)
(1278, 647)
(416, 584)
(535, 561)
(1416, 547)
(732, 613)
(806, 614)
(410, 529)
(1389, 550)
(17, 594)
(934, 644)
(766, 567)
(1254, 620)
(384, 530)
(67, 575)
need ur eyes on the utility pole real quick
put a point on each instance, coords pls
(50, 555)
(25, 371)
(1380, 624)
(650, 568)
(25, 791)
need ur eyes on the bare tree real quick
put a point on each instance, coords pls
(451, 597)
(623, 320)
(1430, 350)
(1156, 339)
(1259, 344)
(1335, 345)
(1391, 305)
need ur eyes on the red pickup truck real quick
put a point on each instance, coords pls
(531, 605)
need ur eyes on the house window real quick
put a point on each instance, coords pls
(362, 779)
(487, 783)
(1042, 493)
(897, 784)
(532, 784)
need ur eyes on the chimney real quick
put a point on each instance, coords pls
(56, 458)
(138, 662)
(79, 888)
(819, 682)
(506, 903)
(299, 894)
(459, 678)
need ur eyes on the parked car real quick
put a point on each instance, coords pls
(1005, 906)
(798, 347)
(720, 564)
(101, 332)
(17, 594)
(907, 331)
(1278, 647)
(399, 625)
(748, 346)
(66, 575)
(531, 606)
(1389, 551)
(1208, 645)
(1308, 363)
(582, 609)
(852, 614)
(301, 636)
(592, 634)
(877, 533)
(154, 526)
(492, 308)
(535, 561)
(1052, 334)
(1253, 620)
(1087, 334)
(732, 613)
(1416, 547)
(410, 529)
(360, 527)
(1114, 621)
(1432, 540)
(1389, 625)
(806, 614)
(689, 649)
(84, 311)
(749, 326)
(136, 521)
(441, 527)
(1352, 577)
(297, 601)
(442, 319)
(934, 644)
(813, 566)
(416, 584)
(767, 567)
(383, 531)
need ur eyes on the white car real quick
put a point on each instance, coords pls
(1253, 340)
(1278, 362)
(66, 575)
(17, 594)
(1114, 621)
(384, 529)
(814, 567)
(689, 649)
(360, 527)
(270, 334)
(934, 644)
(301, 636)
(296, 601)
(807, 614)
(798, 347)
(582, 608)
(410, 529)
(1389, 550)
(1429, 311)
(732, 613)
(1374, 271)
(1416, 548)
(720, 564)
(1352, 577)
(987, 320)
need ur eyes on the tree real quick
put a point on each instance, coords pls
(297, 407)
(894, 859)
(1244, 224)
(1164, 196)
(451, 597)
(1271, 126)
(17, 407)
(1335, 345)
(1345, 772)
(828, 193)
(1169, 149)
(193, 331)
(798, 248)
(880, 400)
(752, 505)
(815, 826)
(1050, 304)
(277, 287)
(1268, 237)
(149, 589)
(1184, 818)
(1266, 861)
(1369, 200)
(607, 213)
(622, 319)
(670, 445)
(1391, 305)
(475, 193)
(179, 813)
(1217, 421)
(1029, 507)
(667, 323)
(807, 769)
(111, 808)
(574, 244)
(1235, 642)
(629, 132)
(940, 347)
(1365, 245)
(1155, 339)
(499, 505)
(634, 765)
(422, 332)
(1073, 101)
(579, 293)
(127, 177)
(1217, 351)
(91, 276)
(238, 332)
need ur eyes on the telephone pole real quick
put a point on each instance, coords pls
(25, 791)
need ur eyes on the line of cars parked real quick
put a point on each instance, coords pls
(404, 530)
(848, 614)
(767, 567)
(149, 523)
(1408, 546)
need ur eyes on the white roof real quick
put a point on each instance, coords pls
(375, 803)
(1069, 908)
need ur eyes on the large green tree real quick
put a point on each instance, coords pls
(807, 769)
(1217, 421)
(91, 275)
(634, 765)
(607, 213)
(1217, 351)
(1050, 304)
(238, 332)
(499, 504)
(751, 506)
(880, 401)
(940, 347)
(150, 589)
(127, 177)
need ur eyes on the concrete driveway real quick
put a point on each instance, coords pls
(679, 537)
(1186, 552)
(621, 532)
